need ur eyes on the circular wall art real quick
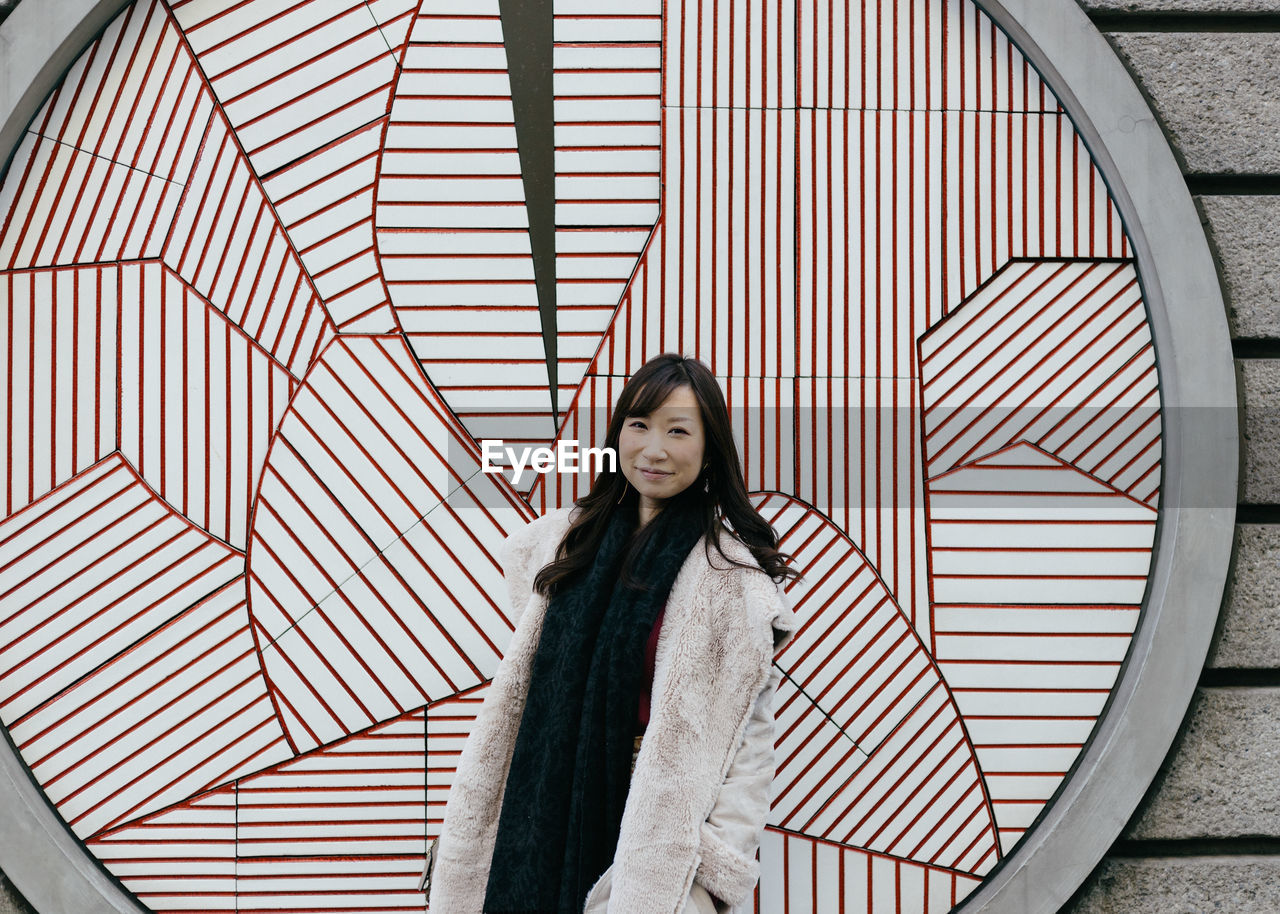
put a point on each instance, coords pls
(270, 273)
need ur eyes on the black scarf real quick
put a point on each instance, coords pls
(570, 769)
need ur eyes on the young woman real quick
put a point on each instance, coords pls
(622, 757)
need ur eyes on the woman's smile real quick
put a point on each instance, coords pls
(661, 453)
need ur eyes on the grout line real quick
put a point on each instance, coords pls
(1116, 21)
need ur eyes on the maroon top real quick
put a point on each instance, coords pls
(646, 688)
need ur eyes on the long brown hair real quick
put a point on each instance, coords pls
(719, 491)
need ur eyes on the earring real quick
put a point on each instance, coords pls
(625, 483)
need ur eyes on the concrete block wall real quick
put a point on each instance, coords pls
(1206, 838)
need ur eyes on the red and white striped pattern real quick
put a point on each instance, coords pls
(394, 18)
(373, 570)
(909, 56)
(1020, 185)
(58, 378)
(292, 77)
(1038, 573)
(198, 400)
(803, 875)
(228, 245)
(332, 168)
(183, 709)
(100, 175)
(325, 204)
(723, 54)
(448, 724)
(716, 280)
(607, 84)
(452, 229)
(181, 860)
(1057, 353)
(340, 829)
(88, 571)
(871, 750)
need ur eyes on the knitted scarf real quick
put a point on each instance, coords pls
(570, 769)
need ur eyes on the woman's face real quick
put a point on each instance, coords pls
(661, 453)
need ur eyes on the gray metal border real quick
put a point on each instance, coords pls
(1201, 459)
(38, 852)
(49, 865)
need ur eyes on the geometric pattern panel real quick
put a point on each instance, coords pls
(87, 572)
(180, 859)
(1056, 353)
(339, 829)
(371, 571)
(198, 400)
(800, 874)
(184, 709)
(58, 392)
(228, 245)
(862, 694)
(1032, 621)
(269, 275)
(121, 134)
(451, 223)
(342, 828)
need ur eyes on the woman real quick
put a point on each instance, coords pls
(552, 808)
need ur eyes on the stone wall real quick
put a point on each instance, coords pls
(1207, 835)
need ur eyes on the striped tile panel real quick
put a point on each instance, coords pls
(87, 572)
(607, 84)
(858, 462)
(227, 243)
(726, 54)
(1020, 186)
(1057, 353)
(903, 214)
(1038, 573)
(100, 175)
(801, 875)
(291, 77)
(374, 579)
(871, 749)
(181, 860)
(341, 829)
(448, 724)
(58, 377)
(452, 229)
(198, 400)
(911, 56)
(394, 18)
(325, 204)
(717, 280)
(184, 709)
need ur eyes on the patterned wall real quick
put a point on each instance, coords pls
(270, 270)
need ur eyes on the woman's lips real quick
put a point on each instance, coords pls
(653, 474)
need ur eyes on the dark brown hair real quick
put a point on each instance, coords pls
(719, 491)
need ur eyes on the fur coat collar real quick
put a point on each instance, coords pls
(722, 626)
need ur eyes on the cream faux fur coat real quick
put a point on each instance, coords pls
(699, 794)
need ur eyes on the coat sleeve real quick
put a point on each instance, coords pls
(731, 834)
(730, 837)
